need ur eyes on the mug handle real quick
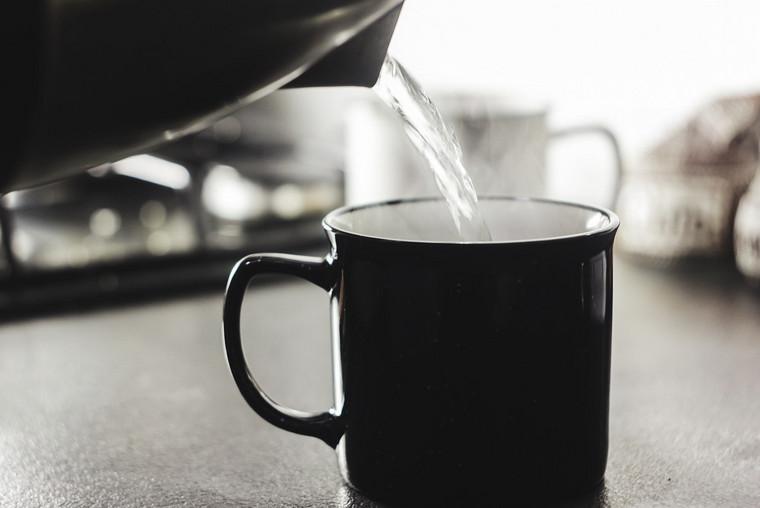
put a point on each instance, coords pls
(327, 426)
(610, 137)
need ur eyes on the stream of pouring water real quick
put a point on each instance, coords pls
(436, 142)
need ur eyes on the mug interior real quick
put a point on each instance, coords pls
(510, 220)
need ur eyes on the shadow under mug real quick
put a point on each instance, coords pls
(476, 371)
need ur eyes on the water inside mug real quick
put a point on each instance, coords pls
(509, 219)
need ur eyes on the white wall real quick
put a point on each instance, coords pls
(638, 66)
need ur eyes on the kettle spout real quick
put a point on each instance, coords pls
(356, 62)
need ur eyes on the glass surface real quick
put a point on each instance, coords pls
(509, 219)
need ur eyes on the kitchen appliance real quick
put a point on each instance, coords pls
(95, 81)
(178, 218)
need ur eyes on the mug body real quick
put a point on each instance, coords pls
(472, 371)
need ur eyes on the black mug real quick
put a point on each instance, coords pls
(465, 372)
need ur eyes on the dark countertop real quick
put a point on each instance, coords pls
(134, 406)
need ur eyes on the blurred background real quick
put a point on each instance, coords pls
(645, 107)
(640, 68)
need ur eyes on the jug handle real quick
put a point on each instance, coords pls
(607, 134)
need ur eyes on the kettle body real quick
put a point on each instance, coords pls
(97, 80)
